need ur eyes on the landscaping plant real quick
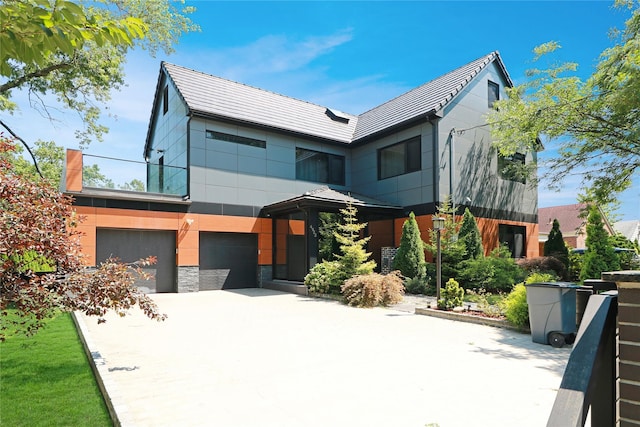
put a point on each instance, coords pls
(599, 255)
(409, 259)
(556, 247)
(470, 236)
(515, 306)
(370, 290)
(451, 296)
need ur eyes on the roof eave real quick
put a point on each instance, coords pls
(262, 126)
(431, 115)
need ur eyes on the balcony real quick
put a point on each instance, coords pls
(85, 172)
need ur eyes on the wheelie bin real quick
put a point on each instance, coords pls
(552, 312)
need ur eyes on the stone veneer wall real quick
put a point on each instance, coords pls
(628, 283)
(387, 253)
(188, 279)
(265, 274)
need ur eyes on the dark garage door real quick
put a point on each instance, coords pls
(228, 260)
(131, 245)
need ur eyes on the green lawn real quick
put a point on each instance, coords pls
(46, 380)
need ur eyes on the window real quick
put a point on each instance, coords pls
(514, 237)
(236, 139)
(493, 93)
(512, 167)
(400, 158)
(319, 167)
(165, 100)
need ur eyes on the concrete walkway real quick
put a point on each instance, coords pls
(263, 358)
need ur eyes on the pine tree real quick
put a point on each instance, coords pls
(353, 257)
(410, 256)
(555, 246)
(600, 255)
(470, 236)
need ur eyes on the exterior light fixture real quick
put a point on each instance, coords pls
(438, 226)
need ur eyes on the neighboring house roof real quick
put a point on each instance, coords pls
(426, 100)
(568, 216)
(210, 96)
(629, 229)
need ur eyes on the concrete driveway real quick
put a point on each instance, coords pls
(263, 358)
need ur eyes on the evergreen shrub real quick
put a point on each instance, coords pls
(452, 296)
(370, 290)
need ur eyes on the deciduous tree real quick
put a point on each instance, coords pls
(41, 266)
(593, 123)
(75, 51)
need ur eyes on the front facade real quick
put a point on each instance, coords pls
(252, 172)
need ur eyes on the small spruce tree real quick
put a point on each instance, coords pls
(470, 237)
(353, 258)
(555, 246)
(410, 258)
(600, 255)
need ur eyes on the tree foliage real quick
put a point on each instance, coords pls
(599, 255)
(595, 122)
(41, 266)
(410, 256)
(76, 50)
(470, 236)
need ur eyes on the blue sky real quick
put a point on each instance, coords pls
(350, 56)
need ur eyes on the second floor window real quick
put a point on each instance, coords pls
(400, 158)
(493, 93)
(512, 167)
(319, 167)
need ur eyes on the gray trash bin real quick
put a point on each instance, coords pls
(552, 312)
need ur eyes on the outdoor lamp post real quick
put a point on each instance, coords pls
(438, 226)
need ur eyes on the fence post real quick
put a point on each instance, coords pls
(628, 283)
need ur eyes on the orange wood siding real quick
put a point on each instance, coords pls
(73, 177)
(187, 227)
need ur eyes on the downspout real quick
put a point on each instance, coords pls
(452, 171)
(436, 165)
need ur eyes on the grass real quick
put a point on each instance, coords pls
(46, 380)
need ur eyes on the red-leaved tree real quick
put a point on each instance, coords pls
(41, 268)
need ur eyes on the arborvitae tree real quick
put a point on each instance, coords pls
(327, 244)
(410, 256)
(599, 255)
(555, 246)
(470, 236)
(353, 257)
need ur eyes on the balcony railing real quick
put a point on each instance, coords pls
(130, 175)
(589, 381)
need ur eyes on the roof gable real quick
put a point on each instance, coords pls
(209, 96)
(425, 100)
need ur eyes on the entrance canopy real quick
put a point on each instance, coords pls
(329, 199)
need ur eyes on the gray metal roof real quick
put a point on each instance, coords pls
(209, 95)
(215, 97)
(325, 196)
(424, 100)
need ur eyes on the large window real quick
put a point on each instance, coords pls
(512, 167)
(236, 139)
(493, 93)
(514, 237)
(319, 167)
(399, 159)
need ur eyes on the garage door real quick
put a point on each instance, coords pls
(132, 245)
(228, 260)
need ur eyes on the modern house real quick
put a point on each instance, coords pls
(238, 177)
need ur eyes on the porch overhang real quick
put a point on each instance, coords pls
(325, 198)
